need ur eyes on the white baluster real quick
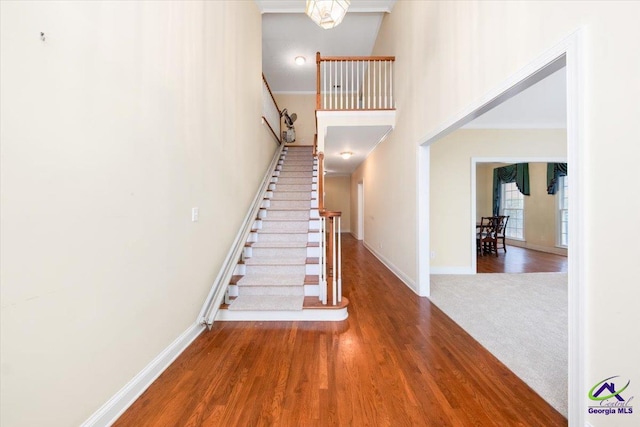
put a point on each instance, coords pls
(391, 84)
(339, 260)
(341, 82)
(324, 84)
(368, 85)
(333, 265)
(385, 84)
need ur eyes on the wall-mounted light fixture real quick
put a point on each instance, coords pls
(346, 155)
(327, 13)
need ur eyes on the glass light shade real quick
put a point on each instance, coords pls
(346, 155)
(300, 60)
(327, 13)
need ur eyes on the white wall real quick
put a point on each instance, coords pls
(337, 190)
(304, 105)
(451, 54)
(126, 117)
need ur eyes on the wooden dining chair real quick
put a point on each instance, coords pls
(486, 241)
(501, 227)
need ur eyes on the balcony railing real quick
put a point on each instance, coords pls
(354, 82)
(270, 111)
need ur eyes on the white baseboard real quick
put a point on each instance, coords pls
(120, 402)
(547, 249)
(395, 270)
(452, 270)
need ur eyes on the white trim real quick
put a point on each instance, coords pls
(423, 217)
(120, 402)
(567, 52)
(395, 270)
(306, 314)
(360, 212)
(550, 250)
(453, 270)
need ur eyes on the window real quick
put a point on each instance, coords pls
(512, 204)
(563, 211)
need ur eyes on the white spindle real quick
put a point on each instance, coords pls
(324, 84)
(351, 84)
(323, 258)
(330, 85)
(379, 103)
(358, 105)
(339, 261)
(391, 86)
(368, 85)
(385, 84)
(333, 258)
(341, 83)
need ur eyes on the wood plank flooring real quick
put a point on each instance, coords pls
(396, 361)
(522, 260)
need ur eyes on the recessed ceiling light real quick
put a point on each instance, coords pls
(346, 154)
(300, 60)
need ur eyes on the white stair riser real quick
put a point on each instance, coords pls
(312, 269)
(300, 215)
(278, 252)
(275, 269)
(275, 226)
(271, 290)
(292, 237)
(313, 252)
(311, 290)
(292, 187)
(291, 195)
(291, 204)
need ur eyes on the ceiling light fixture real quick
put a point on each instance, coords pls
(327, 13)
(300, 60)
(346, 155)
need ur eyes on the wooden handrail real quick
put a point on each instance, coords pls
(330, 214)
(278, 134)
(354, 58)
(264, 119)
(264, 79)
(315, 142)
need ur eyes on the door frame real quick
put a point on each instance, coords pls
(568, 52)
(360, 212)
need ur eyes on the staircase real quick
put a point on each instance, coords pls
(280, 262)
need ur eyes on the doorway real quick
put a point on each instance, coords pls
(360, 229)
(566, 53)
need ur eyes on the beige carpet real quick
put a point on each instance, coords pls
(520, 318)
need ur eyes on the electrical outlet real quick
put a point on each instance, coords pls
(195, 214)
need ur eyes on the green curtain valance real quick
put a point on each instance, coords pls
(518, 173)
(555, 171)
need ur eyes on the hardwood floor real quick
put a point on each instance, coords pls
(522, 260)
(396, 361)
